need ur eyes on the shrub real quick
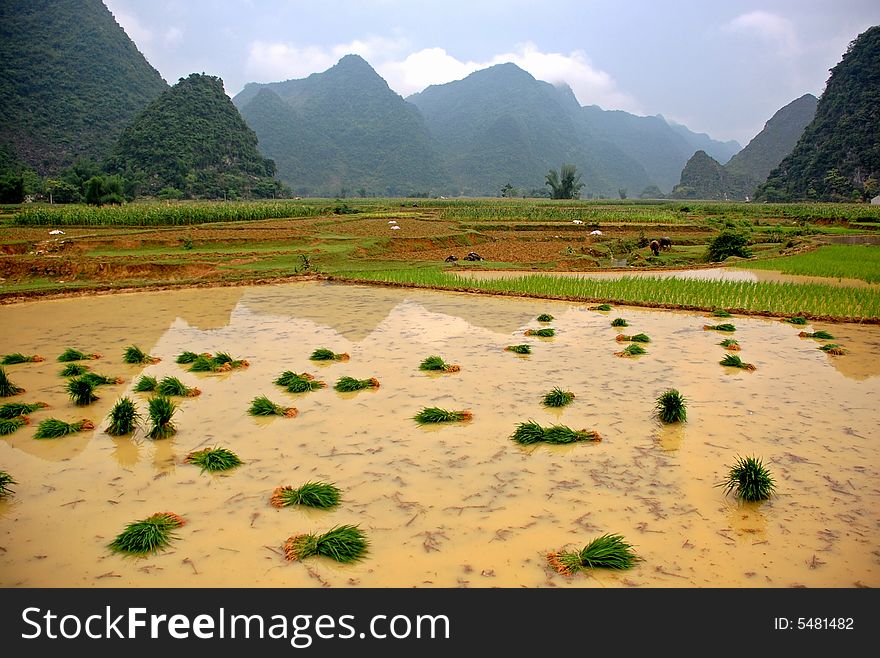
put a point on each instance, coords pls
(728, 243)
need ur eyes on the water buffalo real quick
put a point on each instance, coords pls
(655, 247)
(451, 259)
(665, 243)
(473, 256)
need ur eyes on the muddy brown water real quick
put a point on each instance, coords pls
(453, 505)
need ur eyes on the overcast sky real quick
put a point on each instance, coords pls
(719, 67)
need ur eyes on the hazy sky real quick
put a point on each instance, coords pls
(719, 67)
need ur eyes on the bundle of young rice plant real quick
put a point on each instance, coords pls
(638, 338)
(299, 383)
(558, 398)
(430, 415)
(607, 552)
(18, 357)
(619, 322)
(833, 348)
(147, 535)
(719, 327)
(53, 428)
(7, 388)
(601, 307)
(730, 344)
(344, 543)
(173, 387)
(9, 425)
(519, 349)
(545, 317)
(322, 495)
(721, 313)
(81, 391)
(323, 354)
(437, 364)
(71, 354)
(530, 432)
(161, 410)
(735, 362)
(213, 460)
(796, 320)
(74, 370)
(822, 335)
(16, 409)
(186, 358)
(547, 332)
(146, 384)
(225, 363)
(348, 384)
(749, 480)
(263, 406)
(6, 480)
(632, 350)
(100, 380)
(671, 406)
(135, 355)
(123, 418)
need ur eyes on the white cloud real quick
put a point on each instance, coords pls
(141, 35)
(173, 36)
(767, 27)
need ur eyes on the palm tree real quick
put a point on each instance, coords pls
(564, 184)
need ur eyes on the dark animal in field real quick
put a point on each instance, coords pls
(473, 256)
(655, 247)
(451, 259)
(665, 243)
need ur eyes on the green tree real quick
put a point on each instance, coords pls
(509, 191)
(621, 192)
(728, 243)
(565, 183)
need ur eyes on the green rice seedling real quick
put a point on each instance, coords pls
(721, 313)
(671, 406)
(100, 380)
(632, 350)
(312, 494)
(796, 320)
(299, 383)
(204, 363)
(71, 354)
(172, 386)
(74, 370)
(161, 410)
(719, 327)
(81, 391)
(545, 317)
(18, 357)
(263, 406)
(822, 335)
(52, 428)
(531, 432)
(147, 535)
(349, 384)
(225, 363)
(547, 332)
(429, 415)
(735, 362)
(7, 388)
(730, 344)
(323, 354)
(135, 355)
(5, 481)
(607, 551)
(558, 398)
(437, 364)
(638, 338)
(344, 543)
(833, 348)
(123, 418)
(519, 349)
(619, 322)
(146, 384)
(601, 307)
(186, 358)
(749, 480)
(213, 460)
(16, 409)
(9, 425)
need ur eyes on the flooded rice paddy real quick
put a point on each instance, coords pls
(452, 505)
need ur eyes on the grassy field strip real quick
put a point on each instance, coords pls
(836, 261)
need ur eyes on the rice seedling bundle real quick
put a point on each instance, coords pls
(146, 384)
(530, 432)
(735, 362)
(123, 418)
(730, 344)
(161, 410)
(437, 415)
(7, 388)
(299, 383)
(71, 354)
(545, 317)
(796, 320)
(147, 535)
(323, 354)
(607, 552)
(823, 335)
(348, 384)
(53, 428)
(671, 406)
(632, 350)
(601, 307)
(100, 380)
(5, 481)
(74, 370)
(221, 362)
(15, 409)
(263, 406)
(81, 391)
(719, 327)
(558, 398)
(749, 480)
(10, 425)
(721, 313)
(344, 543)
(18, 357)
(213, 460)
(519, 349)
(637, 338)
(833, 348)
(437, 364)
(547, 332)
(189, 357)
(322, 495)
(172, 386)
(135, 355)
(619, 322)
